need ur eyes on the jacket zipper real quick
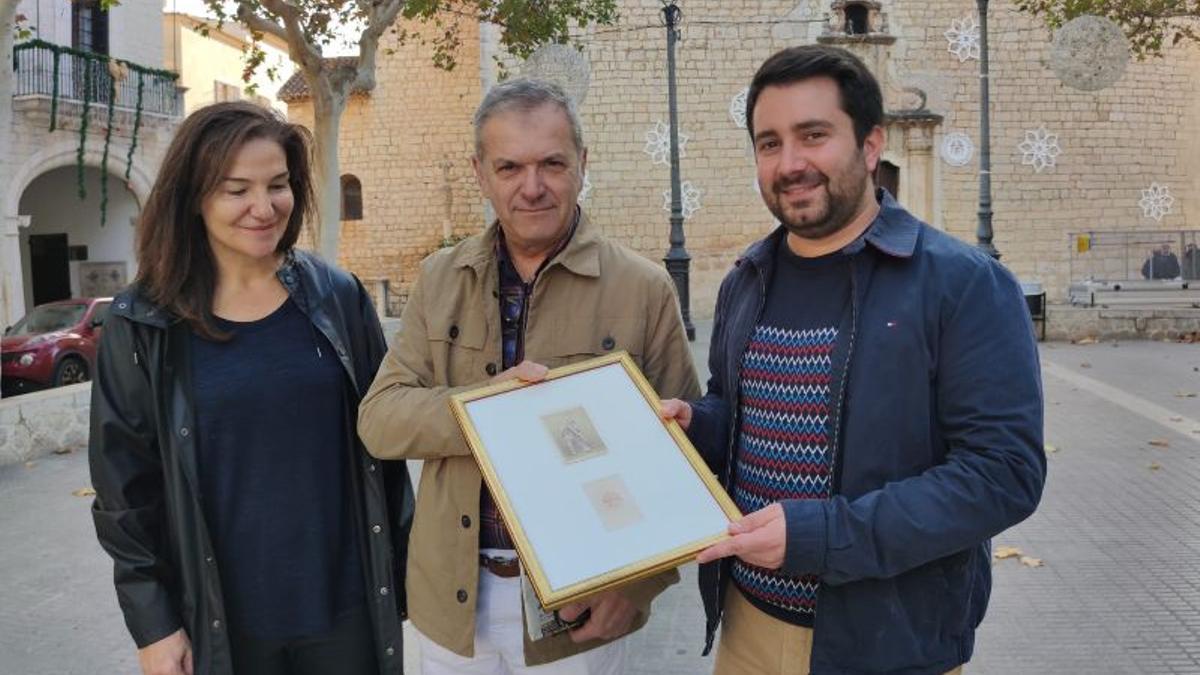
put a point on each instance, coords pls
(835, 488)
(736, 414)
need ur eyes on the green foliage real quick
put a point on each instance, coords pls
(525, 24)
(112, 99)
(1150, 25)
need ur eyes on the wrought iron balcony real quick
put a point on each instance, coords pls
(43, 69)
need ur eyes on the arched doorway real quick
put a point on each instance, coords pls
(64, 250)
(887, 176)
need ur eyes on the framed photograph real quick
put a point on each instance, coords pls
(595, 487)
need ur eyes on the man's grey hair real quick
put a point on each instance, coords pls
(525, 94)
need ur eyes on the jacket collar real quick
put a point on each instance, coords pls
(581, 255)
(298, 274)
(894, 232)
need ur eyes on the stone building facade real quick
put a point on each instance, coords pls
(54, 242)
(1064, 160)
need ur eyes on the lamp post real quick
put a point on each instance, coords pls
(677, 259)
(983, 231)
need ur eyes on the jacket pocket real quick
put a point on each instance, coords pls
(457, 348)
(585, 338)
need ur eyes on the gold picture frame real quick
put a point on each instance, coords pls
(596, 489)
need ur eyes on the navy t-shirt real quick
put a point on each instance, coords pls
(270, 409)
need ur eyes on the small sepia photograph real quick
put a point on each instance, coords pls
(613, 502)
(574, 435)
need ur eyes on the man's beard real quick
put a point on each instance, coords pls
(842, 201)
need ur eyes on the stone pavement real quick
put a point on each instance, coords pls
(1119, 593)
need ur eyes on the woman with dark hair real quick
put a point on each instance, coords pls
(249, 529)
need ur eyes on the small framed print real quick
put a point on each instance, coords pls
(596, 488)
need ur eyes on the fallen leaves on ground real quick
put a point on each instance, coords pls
(64, 451)
(1189, 338)
(1050, 449)
(31, 464)
(84, 492)
(1176, 419)
(1185, 394)
(1003, 552)
(1154, 466)
(1006, 552)
(1160, 442)
(1086, 341)
(1085, 364)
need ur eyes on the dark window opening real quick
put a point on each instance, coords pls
(887, 176)
(89, 26)
(352, 205)
(857, 19)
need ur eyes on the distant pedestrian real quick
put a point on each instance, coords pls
(250, 531)
(1191, 262)
(1161, 264)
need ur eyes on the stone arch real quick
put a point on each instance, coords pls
(65, 153)
(55, 156)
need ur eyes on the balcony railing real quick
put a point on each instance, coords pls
(45, 69)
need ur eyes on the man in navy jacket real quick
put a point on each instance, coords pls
(875, 405)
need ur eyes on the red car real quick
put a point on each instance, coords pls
(53, 345)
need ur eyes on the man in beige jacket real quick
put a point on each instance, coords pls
(540, 288)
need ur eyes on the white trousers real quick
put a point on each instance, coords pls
(499, 643)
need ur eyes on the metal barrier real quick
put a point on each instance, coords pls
(44, 69)
(1143, 267)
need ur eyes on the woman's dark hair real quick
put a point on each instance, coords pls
(861, 98)
(176, 268)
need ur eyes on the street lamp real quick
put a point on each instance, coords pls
(983, 232)
(677, 259)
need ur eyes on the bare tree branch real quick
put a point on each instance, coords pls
(380, 17)
(300, 48)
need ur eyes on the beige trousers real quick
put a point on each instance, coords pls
(755, 643)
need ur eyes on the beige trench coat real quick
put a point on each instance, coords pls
(594, 297)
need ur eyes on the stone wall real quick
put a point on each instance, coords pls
(36, 424)
(409, 143)
(410, 140)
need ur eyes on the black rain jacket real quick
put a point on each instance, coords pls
(142, 454)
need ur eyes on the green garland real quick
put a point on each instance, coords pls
(137, 123)
(90, 61)
(54, 96)
(112, 98)
(92, 56)
(83, 126)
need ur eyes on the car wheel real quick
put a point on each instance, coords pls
(71, 370)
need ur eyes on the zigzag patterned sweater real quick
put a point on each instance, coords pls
(783, 445)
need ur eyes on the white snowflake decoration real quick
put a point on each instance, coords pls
(658, 143)
(1039, 149)
(964, 38)
(1156, 201)
(587, 187)
(957, 149)
(737, 108)
(689, 198)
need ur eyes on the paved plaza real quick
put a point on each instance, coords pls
(1118, 532)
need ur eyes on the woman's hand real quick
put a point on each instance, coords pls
(171, 655)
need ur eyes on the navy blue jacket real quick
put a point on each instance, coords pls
(936, 432)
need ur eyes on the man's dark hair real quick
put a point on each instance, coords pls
(861, 98)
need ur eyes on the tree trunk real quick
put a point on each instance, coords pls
(8, 16)
(327, 117)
